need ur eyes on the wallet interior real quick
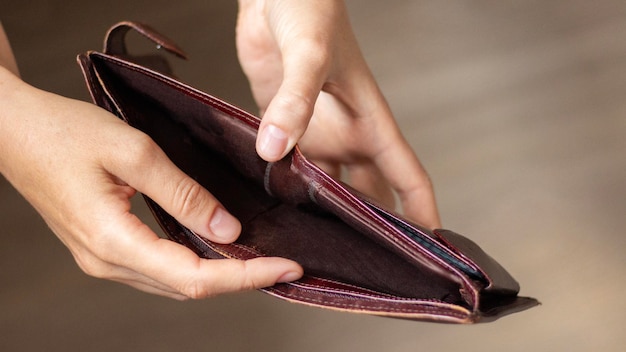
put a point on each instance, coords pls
(218, 151)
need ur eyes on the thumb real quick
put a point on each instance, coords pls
(177, 193)
(289, 112)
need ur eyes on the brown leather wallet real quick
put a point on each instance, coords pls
(357, 256)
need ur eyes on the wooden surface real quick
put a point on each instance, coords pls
(517, 109)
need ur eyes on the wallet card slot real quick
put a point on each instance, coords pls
(432, 246)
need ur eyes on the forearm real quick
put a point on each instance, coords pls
(10, 85)
(13, 92)
(7, 59)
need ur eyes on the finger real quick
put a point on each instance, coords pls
(92, 264)
(404, 172)
(219, 276)
(258, 52)
(177, 193)
(232, 275)
(184, 272)
(366, 178)
(392, 156)
(289, 112)
(143, 260)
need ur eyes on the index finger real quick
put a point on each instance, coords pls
(290, 110)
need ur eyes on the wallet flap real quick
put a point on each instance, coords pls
(115, 39)
(499, 279)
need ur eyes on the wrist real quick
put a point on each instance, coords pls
(13, 91)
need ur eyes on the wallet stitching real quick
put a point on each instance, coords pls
(371, 216)
(370, 296)
(183, 88)
(239, 246)
(352, 199)
(374, 293)
(347, 294)
(370, 293)
(419, 309)
(255, 121)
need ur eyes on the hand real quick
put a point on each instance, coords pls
(78, 166)
(307, 73)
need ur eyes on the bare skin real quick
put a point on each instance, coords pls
(78, 165)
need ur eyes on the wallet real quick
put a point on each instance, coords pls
(357, 256)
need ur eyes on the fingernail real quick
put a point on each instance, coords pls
(223, 225)
(289, 276)
(273, 142)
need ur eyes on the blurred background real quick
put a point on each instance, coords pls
(517, 109)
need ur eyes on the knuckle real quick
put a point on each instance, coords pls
(100, 252)
(237, 277)
(196, 290)
(93, 266)
(249, 281)
(142, 150)
(249, 284)
(188, 197)
(318, 52)
(296, 102)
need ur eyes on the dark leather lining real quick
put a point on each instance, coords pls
(324, 245)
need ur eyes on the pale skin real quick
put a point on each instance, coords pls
(78, 165)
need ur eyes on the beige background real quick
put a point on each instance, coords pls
(518, 110)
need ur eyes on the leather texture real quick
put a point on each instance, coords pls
(358, 257)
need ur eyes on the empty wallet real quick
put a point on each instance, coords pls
(357, 256)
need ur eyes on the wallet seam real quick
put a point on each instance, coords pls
(181, 86)
(340, 196)
(378, 220)
(370, 293)
(421, 306)
(310, 168)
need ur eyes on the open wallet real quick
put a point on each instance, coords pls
(357, 256)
